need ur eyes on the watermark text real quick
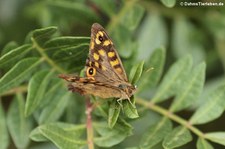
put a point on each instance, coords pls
(198, 4)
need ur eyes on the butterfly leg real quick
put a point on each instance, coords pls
(133, 106)
(119, 101)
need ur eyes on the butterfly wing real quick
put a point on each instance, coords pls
(88, 86)
(105, 76)
(103, 63)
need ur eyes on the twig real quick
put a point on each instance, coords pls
(19, 89)
(90, 135)
(170, 115)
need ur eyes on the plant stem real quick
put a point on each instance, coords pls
(90, 134)
(19, 89)
(170, 115)
(45, 56)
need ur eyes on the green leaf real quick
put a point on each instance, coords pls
(54, 87)
(217, 137)
(62, 137)
(130, 110)
(212, 108)
(190, 89)
(107, 6)
(150, 77)
(19, 126)
(46, 145)
(172, 79)
(65, 42)
(114, 111)
(75, 108)
(152, 35)
(36, 135)
(123, 41)
(110, 137)
(43, 34)
(210, 85)
(186, 41)
(133, 17)
(76, 11)
(36, 89)
(56, 108)
(203, 144)
(169, 3)
(156, 133)
(14, 55)
(4, 136)
(77, 53)
(131, 148)
(71, 50)
(18, 73)
(178, 137)
(136, 72)
(8, 47)
(76, 130)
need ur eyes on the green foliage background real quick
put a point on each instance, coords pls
(179, 103)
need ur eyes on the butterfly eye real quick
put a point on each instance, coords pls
(122, 86)
(100, 38)
(91, 71)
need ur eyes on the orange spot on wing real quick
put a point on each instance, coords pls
(100, 33)
(97, 41)
(106, 43)
(114, 63)
(90, 72)
(92, 45)
(89, 63)
(103, 68)
(119, 70)
(97, 64)
(96, 56)
(111, 54)
(101, 52)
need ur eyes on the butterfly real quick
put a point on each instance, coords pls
(105, 76)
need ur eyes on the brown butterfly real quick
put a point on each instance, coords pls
(105, 76)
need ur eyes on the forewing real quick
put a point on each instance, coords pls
(104, 58)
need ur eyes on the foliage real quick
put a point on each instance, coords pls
(174, 54)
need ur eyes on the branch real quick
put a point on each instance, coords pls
(19, 89)
(170, 115)
(90, 135)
